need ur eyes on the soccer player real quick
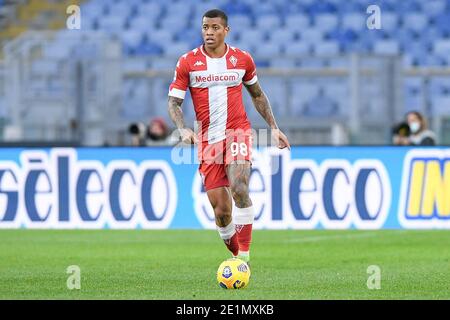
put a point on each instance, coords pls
(214, 73)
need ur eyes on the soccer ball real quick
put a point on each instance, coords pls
(233, 274)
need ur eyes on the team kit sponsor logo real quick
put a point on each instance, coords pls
(203, 79)
(217, 78)
(63, 188)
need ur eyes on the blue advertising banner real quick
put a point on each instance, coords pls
(158, 188)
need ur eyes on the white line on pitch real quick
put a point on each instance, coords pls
(339, 236)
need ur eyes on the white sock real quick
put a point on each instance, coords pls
(243, 215)
(227, 232)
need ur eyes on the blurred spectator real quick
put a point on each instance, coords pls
(158, 130)
(156, 133)
(420, 135)
(400, 134)
(137, 131)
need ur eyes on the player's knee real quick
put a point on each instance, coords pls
(223, 214)
(222, 210)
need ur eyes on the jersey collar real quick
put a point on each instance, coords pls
(206, 55)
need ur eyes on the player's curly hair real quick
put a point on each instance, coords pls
(217, 13)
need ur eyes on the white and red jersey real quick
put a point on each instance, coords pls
(216, 89)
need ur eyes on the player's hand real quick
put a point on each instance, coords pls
(188, 136)
(280, 139)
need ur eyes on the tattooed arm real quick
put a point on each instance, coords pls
(262, 104)
(176, 114)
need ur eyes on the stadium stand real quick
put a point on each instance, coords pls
(154, 33)
(269, 30)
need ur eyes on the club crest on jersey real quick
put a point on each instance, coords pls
(233, 60)
(198, 63)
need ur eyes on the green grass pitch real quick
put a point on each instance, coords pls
(181, 264)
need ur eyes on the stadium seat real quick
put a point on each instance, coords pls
(402, 7)
(441, 48)
(193, 37)
(405, 37)
(89, 22)
(268, 22)
(297, 49)
(252, 37)
(231, 38)
(237, 7)
(161, 37)
(354, 21)
(343, 37)
(389, 22)
(283, 63)
(326, 22)
(131, 38)
(111, 24)
(177, 49)
(200, 7)
(268, 49)
(433, 61)
(326, 48)
(318, 7)
(243, 45)
(311, 35)
(407, 61)
(141, 23)
(433, 7)
(344, 7)
(93, 9)
(179, 9)
(151, 10)
(297, 22)
(148, 48)
(282, 36)
(119, 9)
(239, 21)
(389, 47)
(263, 8)
(442, 24)
(291, 8)
(415, 21)
(173, 23)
